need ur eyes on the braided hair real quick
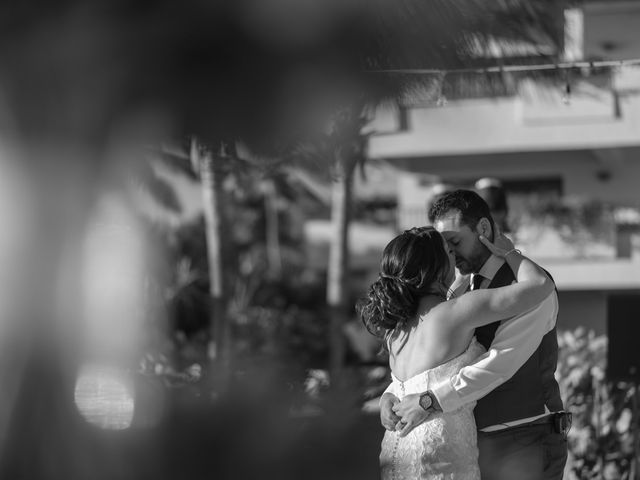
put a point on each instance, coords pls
(414, 265)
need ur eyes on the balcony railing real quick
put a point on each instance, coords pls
(564, 231)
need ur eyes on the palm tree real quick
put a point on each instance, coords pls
(344, 147)
(212, 166)
(272, 227)
(210, 177)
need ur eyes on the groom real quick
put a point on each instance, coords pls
(519, 413)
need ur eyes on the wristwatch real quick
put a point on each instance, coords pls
(426, 401)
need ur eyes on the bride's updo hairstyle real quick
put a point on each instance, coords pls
(414, 265)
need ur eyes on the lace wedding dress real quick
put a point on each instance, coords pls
(445, 446)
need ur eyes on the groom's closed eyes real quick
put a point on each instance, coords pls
(452, 239)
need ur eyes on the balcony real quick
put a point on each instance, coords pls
(587, 245)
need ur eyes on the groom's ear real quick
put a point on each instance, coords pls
(484, 228)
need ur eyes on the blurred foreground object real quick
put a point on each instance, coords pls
(82, 86)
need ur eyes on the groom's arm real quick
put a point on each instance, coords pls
(515, 341)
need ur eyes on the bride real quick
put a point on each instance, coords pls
(430, 339)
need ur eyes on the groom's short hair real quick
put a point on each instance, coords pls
(470, 205)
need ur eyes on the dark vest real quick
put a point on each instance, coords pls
(531, 388)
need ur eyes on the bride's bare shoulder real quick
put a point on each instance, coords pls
(450, 312)
(432, 310)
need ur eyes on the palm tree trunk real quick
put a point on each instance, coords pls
(272, 228)
(214, 219)
(339, 263)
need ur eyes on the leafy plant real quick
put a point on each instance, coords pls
(601, 437)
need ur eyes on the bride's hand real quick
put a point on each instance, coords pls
(388, 418)
(411, 412)
(501, 245)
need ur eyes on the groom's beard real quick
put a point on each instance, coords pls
(466, 268)
(474, 262)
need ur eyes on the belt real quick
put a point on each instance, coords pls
(560, 421)
(549, 419)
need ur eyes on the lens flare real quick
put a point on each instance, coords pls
(104, 397)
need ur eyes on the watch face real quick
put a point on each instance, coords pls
(425, 401)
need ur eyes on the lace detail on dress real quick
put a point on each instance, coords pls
(445, 446)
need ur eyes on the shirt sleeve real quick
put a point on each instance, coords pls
(515, 341)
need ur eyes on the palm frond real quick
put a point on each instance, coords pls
(160, 191)
(244, 72)
(318, 188)
(174, 158)
(459, 34)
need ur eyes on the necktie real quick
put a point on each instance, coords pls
(476, 281)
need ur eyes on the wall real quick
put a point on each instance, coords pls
(511, 125)
(611, 29)
(589, 310)
(586, 309)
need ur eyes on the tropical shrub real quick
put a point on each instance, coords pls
(602, 435)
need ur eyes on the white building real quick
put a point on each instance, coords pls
(543, 142)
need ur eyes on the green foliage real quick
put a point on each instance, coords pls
(277, 319)
(601, 437)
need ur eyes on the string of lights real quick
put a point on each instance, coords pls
(515, 68)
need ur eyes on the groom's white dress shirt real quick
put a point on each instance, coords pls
(515, 341)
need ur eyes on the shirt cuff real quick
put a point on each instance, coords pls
(447, 396)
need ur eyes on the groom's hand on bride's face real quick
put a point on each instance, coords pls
(411, 413)
(388, 418)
